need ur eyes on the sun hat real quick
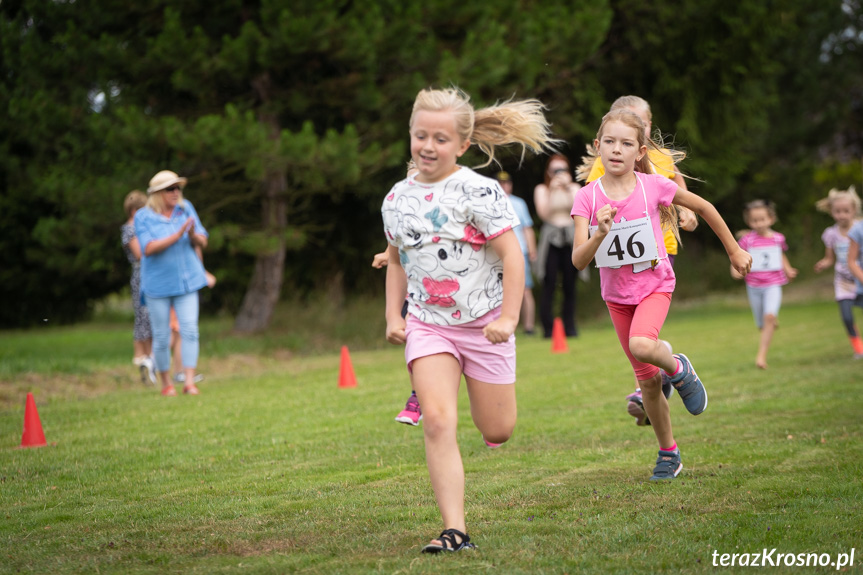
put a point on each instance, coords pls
(165, 179)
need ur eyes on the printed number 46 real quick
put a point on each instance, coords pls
(634, 248)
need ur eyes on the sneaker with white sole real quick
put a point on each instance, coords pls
(668, 465)
(147, 368)
(689, 387)
(411, 414)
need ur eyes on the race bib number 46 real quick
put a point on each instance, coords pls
(626, 243)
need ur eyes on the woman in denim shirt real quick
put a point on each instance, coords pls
(169, 232)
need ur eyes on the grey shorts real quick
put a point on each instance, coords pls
(764, 301)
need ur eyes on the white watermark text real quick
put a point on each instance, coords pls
(774, 558)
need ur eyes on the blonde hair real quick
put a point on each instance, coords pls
(826, 204)
(632, 102)
(156, 201)
(135, 200)
(511, 122)
(667, 214)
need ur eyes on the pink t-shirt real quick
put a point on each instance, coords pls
(621, 284)
(764, 278)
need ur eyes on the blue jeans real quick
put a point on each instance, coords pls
(186, 307)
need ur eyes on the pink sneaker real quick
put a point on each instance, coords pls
(411, 414)
(490, 444)
(635, 408)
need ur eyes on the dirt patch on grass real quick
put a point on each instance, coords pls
(65, 386)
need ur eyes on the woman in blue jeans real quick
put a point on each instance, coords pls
(168, 231)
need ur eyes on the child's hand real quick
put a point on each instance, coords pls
(741, 262)
(822, 265)
(686, 219)
(396, 331)
(500, 330)
(605, 218)
(380, 260)
(791, 272)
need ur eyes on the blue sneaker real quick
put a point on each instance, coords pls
(668, 465)
(689, 387)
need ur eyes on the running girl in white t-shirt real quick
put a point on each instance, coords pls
(453, 253)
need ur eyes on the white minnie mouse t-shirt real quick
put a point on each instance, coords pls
(442, 231)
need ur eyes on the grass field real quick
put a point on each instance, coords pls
(274, 469)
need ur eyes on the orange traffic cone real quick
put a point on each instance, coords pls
(558, 337)
(347, 378)
(33, 435)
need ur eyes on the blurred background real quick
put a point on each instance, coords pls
(290, 119)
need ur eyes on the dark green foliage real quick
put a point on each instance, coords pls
(101, 94)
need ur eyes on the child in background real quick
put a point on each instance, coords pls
(855, 256)
(618, 221)
(142, 334)
(770, 271)
(454, 255)
(844, 206)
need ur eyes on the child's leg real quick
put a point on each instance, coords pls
(771, 302)
(764, 341)
(846, 312)
(638, 329)
(656, 406)
(493, 409)
(645, 346)
(436, 380)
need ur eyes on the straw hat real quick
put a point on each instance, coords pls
(165, 179)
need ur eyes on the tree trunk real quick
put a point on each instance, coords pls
(266, 283)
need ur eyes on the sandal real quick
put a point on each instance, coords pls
(448, 542)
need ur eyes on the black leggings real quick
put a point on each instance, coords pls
(559, 259)
(846, 307)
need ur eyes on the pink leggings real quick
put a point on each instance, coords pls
(642, 320)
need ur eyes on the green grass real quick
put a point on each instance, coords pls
(274, 469)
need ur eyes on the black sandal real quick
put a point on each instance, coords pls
(448, 542)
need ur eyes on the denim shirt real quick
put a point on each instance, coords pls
(176, 270)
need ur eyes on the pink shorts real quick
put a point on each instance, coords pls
(479, 358)
(642, 320)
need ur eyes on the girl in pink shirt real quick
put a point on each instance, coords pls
(770, 271)
(618, 222)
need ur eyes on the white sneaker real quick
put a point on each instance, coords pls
(147, 367)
